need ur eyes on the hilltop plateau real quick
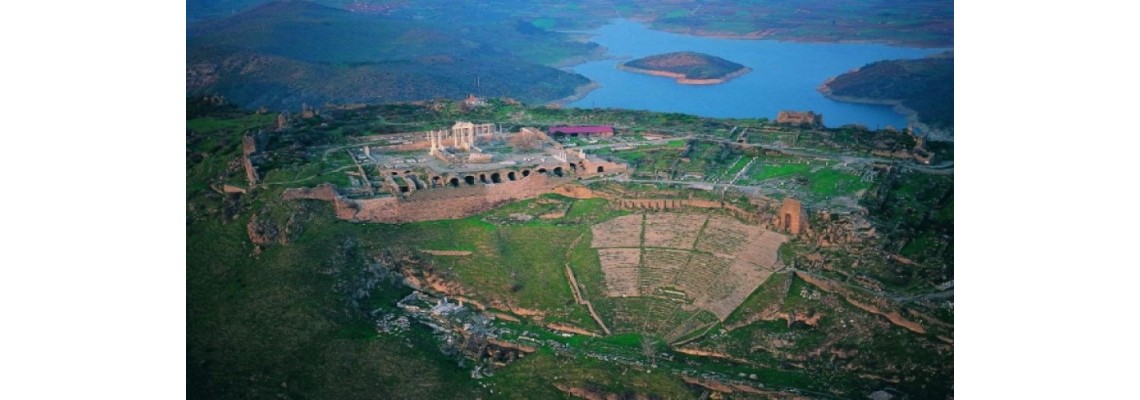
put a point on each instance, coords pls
(390, 251)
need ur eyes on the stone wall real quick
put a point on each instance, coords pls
(322, 192)
(578, 192)
(803, 118)
(430, 205)
(249, 146)
(479, 158)
(672, 204)
(416, 196)
(595, 167)
(231, 189)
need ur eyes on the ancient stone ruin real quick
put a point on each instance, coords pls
(583, 131)
(707, 262)
(282, 121)
(791, 217)
(455, 179)
(248, 147)
(800, 118)
(461, 137)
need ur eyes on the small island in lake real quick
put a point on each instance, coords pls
(687, 67)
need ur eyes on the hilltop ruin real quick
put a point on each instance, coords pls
(800, 118)
(457, 178)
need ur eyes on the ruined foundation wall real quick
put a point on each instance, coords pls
(324, 192)
(445, 203)
(671, 204)
(422, 145)
(579, 192)
(464, 190)
(807, 118)
(249, 146)
(589, 168)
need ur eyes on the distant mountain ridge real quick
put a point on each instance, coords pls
(927, 23)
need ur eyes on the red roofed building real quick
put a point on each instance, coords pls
(586, 130)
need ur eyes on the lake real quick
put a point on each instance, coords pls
(784, 76)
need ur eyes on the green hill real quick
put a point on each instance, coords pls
(283, 54)
(925, 86)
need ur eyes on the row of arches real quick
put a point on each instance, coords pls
(407, 181)
(580, 167)
(411, 181)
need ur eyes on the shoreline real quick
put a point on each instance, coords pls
(580, 92)
(682, 79)
(599, 54)
(896, 105)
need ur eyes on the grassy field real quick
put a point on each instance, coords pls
(819, 179)
(735, 168)
(769, 293)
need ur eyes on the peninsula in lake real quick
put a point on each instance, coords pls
(922, 89)
(687, 67)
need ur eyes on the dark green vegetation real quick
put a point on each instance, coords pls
(925, 86)
(912, 253)
(922, 23)
(289, 320)
(689, 64)
(856, 341)
(920, 208)
(295, 314)
(281, 55)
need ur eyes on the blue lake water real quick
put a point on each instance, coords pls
(784, 76)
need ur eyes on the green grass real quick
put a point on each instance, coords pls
(586, 207)
(735, 168)
(303, 175)
(239, 125)
(768, 293)
(829, 183)
(533, 257)
(520, 264)
(628, 339)
(533, 377)
(591, 279)
(824, 180)
(763, 170)
(461, 234)
(271, 325)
